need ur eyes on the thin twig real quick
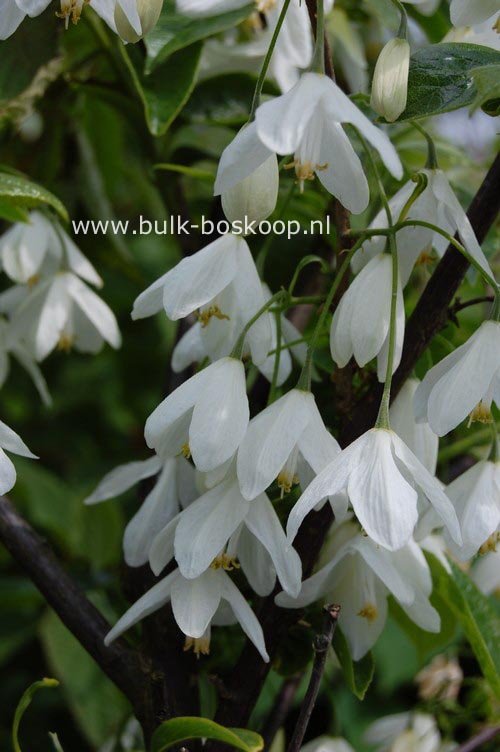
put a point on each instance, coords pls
(87, 624)
(485, 736)
(322, 644)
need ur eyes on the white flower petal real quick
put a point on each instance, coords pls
(154, 599)
(122, 478)
(194, 602)
(263, 522)
(245, 615)
(206, 526)
(220, 415)
(269, 441)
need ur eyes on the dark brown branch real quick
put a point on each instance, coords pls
(121, 664)
(477, 742)
(431, 311)
(322, 644)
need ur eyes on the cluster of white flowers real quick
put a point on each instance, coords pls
(50, 306)
(211, 511)
(131, 19)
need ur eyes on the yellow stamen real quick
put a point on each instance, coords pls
(369, 612)
(305, 171)
(71, 10)
(424, 258)
(186, 451)
(225, 562)
(496, 25)
(212, 311)
(65, 343)
(32, 281)
(480, 414)
(490, 545)
(199, 645)
(285, 482)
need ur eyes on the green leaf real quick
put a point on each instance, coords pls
(163, 93)
(178, 730)
(23, 704)
(16, 191)
(487, 82)
(191, 172)
(173, 31)
(475, 614)
(224, 100)
(358, 674)
(96, 704)
(12, 213)
(440, 78)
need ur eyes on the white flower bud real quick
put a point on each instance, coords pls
(253, 198)
(148, 11)
(390, 80)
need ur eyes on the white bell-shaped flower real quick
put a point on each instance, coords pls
(464, 383)
(289, 430)
(217, 337)
(128, 11)
(13, 346)
(361, 323)
(390, 79)
(360, 576)
(194, 605)
(465, 13)
(173, 490)
(28, 248)
(221, 274)
(418, 437)
(10, 442)
(476, 496)
(436, 204)
(63, 312)
(307, 122)
(218, 527)
(405, 732)
(485, 572)
(383, 480)
(247, 178)
(206, 417)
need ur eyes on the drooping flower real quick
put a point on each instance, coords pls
(206, 417)
(438, 205)
(223, 272)
(41, 247)
(174, 489)
(195, 603)
(132, 14)
(464, 383)
(360, 575)
(222, 526)
(126, 14)
(10, 442)
(390, 79)
(63, 312)
(307, 121)
(288, 431)
(218, 337)
(476, 496)
(383, 480)
(247, 178)
(327, 744)
(361, 323)
(485, 572)
(405, 732)
(465, 13)
(441, 679)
